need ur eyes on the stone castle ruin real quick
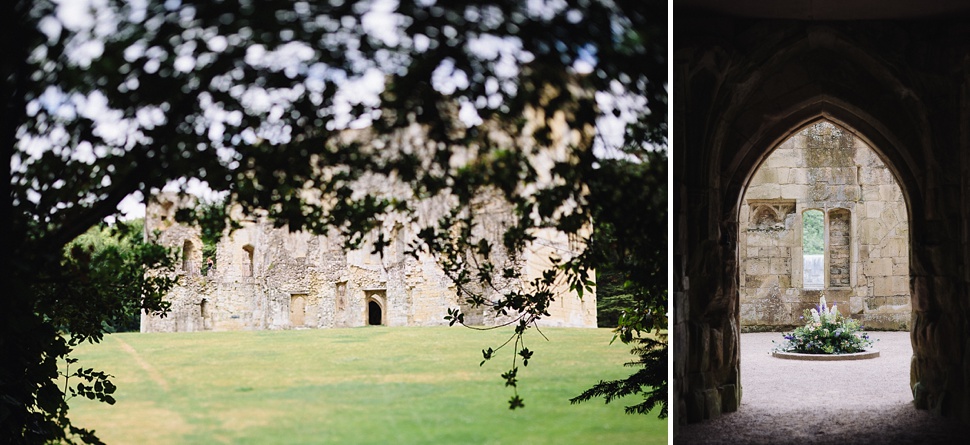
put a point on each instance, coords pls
(862, 262)
(269, 278)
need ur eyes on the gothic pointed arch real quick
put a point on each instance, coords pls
(742, 88)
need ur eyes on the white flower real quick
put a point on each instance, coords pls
(815, 315)
(834, 312)
(821, 303)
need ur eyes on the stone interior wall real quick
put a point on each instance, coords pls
(826, 168)
(740, 86)
(333, 285)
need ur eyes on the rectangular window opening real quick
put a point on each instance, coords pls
(813, 249)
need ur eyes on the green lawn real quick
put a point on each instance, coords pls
(356, 386)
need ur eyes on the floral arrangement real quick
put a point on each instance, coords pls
(826, 331)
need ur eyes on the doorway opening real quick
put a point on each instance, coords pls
(823, 215)
(297, 310)
(375, 313)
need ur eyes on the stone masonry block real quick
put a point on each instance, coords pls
(780, 266)
(730, 398)
(767, 175)
(763, 191)
(882, 286)
(712, 403)
(843, 175)
(798, 176)
(895, 247)
(870, 193)
(898, 300)
(783, 158)
(791, 190)
(857, 305)
(901, 267)
(900, 285)
(890, 193)
(874, 208)
(879, 267)
(757, 267)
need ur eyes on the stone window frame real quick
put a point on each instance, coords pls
(205, 314)
(188, 257)
(248, 258)
(797, 278)
(340, 294)
(828, 263)
(777, 210)
(798, 251)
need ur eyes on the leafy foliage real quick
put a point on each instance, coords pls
(813, 233)
(246, 97)
(826, 331)
(611, 302)
(213, 219)
(629, 245)
(119, 260)
(652, 357)
(100, 284)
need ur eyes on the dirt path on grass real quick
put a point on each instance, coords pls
(149, 369)
(794, 401)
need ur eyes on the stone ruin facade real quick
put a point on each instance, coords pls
(270, 278)
(864, 268)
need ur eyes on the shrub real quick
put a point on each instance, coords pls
(826, 331)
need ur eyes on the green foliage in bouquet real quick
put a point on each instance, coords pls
(826, 331)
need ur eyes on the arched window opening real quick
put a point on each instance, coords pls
(205, 314)
(813, 249)
(341, 291)
(247, 261)
(188, 254)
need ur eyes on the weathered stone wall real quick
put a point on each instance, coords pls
(866, 263)
(269, 278)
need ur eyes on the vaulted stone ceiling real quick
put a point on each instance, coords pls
(827, 9)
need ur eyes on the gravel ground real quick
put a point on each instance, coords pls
(853, 402)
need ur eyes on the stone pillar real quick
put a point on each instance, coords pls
(940, 368)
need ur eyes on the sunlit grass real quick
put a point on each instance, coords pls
(356, 386)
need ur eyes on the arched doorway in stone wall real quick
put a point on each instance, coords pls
(375, 311)
(743, 86)
(823, 215)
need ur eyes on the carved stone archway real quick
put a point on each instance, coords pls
(741, 86)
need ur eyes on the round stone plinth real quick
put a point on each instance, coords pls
(827, 357)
